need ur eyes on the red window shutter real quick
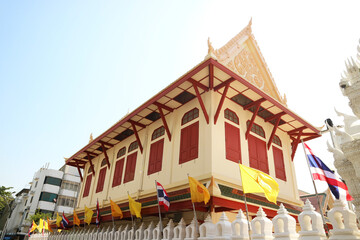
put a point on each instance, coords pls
(279, 163)
(232, 143)
(156, 155)
(189, 143)
(101, 180)
(130, 167)
(87, 185)
(119, 167)
(262, 156)
(258, 154)
(253, 152)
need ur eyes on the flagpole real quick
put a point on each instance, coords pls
(157, 197)
(132, 219)
(195, 217)
(246, 206)
(112, 217)
(316, 192)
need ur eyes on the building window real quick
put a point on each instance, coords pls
(133, 146)
(156, 151)
(230, 115)
(190, 115)
(258, 154)
(66, 202)
(31, 199)
(103, 162)
(232, 143)
(279, 163)
(256, 129)
(189, 143)
(36, 184)
(130, 167)
(119, 167)
(277, 141)
(102, 174)
(87, 185)
(70, 186)
(48, 197)
(158, 133)
(52, 181)
(121, 152)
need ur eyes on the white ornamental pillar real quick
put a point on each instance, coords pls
(223, 228)
(240, 227)
(311, 223)
(261, 226)
(179, 230)
(148, 233)
(343, 221)
(168, 232)
(207, 229)
(284, 225)
(191, 230)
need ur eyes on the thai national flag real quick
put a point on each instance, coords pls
(321, 172)
(97, 214)
(64, 221)
(163, 196)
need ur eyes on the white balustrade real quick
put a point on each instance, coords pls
(180, 230)
(261, 226)
(311, 223)
(240, 227)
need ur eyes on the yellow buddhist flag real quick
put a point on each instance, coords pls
(199, 193)
(255, 181)
(115, 210)
(135, 207)
(76, 219)
(33, 227)
(58, 219)
(48, 225)
(88, 215)
(41, 225)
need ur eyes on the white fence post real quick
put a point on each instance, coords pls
(240, 227)
(284, 225)
(179, 230)
(311, 223)
(261, 226)
(207, 229)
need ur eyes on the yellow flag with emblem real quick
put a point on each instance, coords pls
(48, 225)
(76, 219)
(58, 220)
(135, 207)
(255, 181)
(88, 215)
(115, 210)
(33, 227)
(199, 193)
(41, 225)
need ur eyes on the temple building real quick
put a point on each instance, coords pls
(224, 111)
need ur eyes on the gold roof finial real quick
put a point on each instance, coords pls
(91, 138)
(210, 47)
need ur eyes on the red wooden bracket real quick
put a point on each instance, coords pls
(91, 164)
(295, 144)
(165, 123)
(136, 123)
(296, 131)
(253, 118)
(163, 106)
(224, 83)
(211, 76)
(273, 132)
(200, 85)
(78, 168)
(106, 144)
(136, 135)
(105, 154)
(255, 103)
(91, 153)
(201, 103)
(221, 103)
(268, 119)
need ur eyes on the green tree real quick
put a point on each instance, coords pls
(5, 197)
(38, 215)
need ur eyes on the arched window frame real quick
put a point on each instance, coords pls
(231, 116)
(156, 150)
(257, 129)
(190, 116)
(121, 152)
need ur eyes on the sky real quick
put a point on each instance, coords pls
(72, 68)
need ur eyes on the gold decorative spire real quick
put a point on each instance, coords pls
(213, 188)
(91, 138)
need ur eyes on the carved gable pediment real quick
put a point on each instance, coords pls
(242, 55)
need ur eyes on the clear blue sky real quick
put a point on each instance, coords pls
(71, 68)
